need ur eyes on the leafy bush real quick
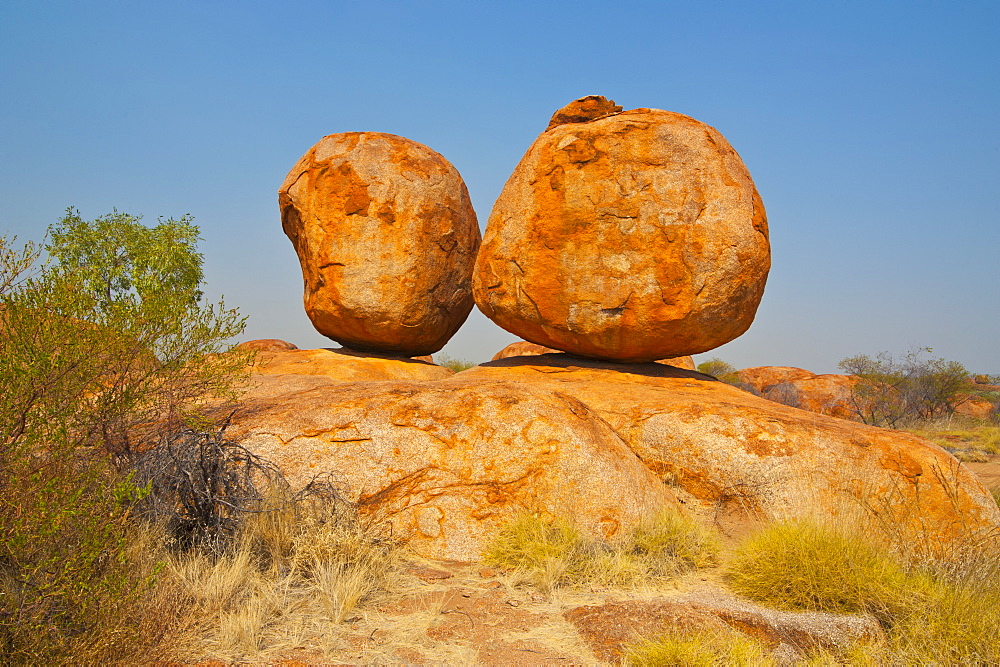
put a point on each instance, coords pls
(101, 342)
(720, 370)
(456, 365)
(550, 554)
(892, 391)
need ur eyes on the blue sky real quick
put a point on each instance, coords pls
(870, 129)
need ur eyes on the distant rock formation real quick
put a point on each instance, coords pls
(267, 345)
(625, 235)
(828, 394)
(387, 239)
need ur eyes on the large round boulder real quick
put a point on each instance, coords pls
(625, 235)
(387, 239)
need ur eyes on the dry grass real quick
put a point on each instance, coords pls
(290, 582)
(968, 438)
(553, 553)
(699, 649)
(935, 612)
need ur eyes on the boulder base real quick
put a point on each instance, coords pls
(447, 461)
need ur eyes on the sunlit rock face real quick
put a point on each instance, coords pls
(625, 235)
(387, 239)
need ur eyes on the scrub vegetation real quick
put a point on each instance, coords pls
(128, 524)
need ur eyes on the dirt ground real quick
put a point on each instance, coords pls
(460, 613)
(988, 472)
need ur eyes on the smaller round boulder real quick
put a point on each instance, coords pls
(387, 239)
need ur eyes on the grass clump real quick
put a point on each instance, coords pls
(549, 553)
(960, 435)
(803, 565)
(939, 612)
(699, 649)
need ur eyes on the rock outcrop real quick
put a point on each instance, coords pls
(347, 366)
(446, 459)
(267, 345)
(525, 349)
(738, 454)
(447, 463)
(630, 236)
(386, 238)
(608, 628)
(522, 349)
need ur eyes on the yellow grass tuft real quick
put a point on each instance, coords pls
(699, 649)
(553, 553)
(935, 612)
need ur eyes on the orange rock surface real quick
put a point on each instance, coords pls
(522, 349)
(386, 238)
(267, 345)
(347, 366)
(761, 377)
(446, 463)
(729, 449)
(828, 394)
(973, 407)
(633, 236)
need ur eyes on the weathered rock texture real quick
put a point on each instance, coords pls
(267, 345)
(611, 626)
(386, 237)
(523, 349)
(347, 366)
(446, 463)
(740, 454)
(630, 236)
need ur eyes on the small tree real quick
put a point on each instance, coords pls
(720, 370)
(892, 391)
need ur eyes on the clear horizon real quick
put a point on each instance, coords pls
(869, 129)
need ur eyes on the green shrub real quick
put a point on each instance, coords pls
(720, 370)
(456, 365)
(892, 391)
